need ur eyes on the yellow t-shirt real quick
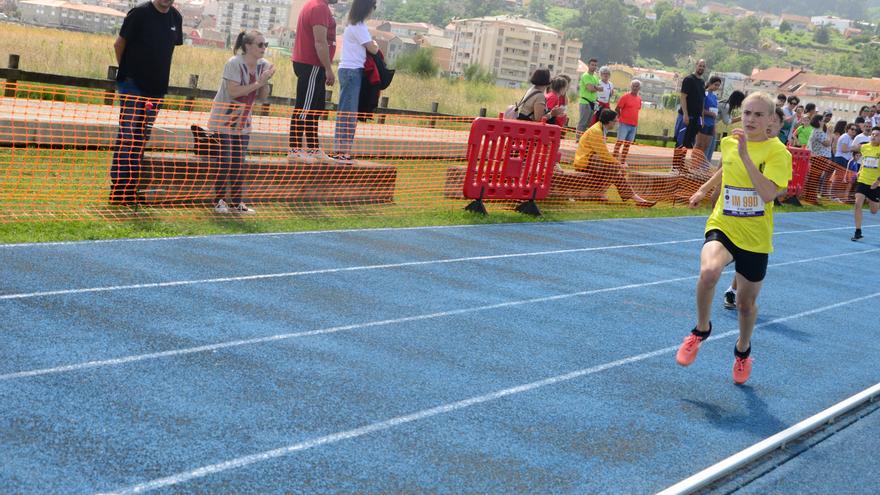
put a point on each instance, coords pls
(740, 212)
(870, 170)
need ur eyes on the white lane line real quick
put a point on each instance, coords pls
(371, 324)
(239, 462)
(266, 276)
(338, 231)
(728, 466)
(368, 230)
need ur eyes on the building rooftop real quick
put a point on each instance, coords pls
(776, 75)
(830, 82)
(93, 9)
(45, 3)
(514, 20)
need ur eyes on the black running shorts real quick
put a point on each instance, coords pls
(871, 194)
(751, 265)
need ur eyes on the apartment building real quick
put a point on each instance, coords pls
(512, 48)
(262, 15)
(74, 16)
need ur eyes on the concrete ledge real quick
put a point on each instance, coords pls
(175, 178)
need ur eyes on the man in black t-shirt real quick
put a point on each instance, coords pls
(690, 115)
(144, 49)
(693, 93)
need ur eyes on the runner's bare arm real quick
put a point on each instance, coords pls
(707, 187)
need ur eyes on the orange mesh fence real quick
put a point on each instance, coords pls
(65, 154)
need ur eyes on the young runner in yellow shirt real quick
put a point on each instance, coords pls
(868, 185)
(740, 228)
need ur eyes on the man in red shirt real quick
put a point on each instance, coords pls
(628, 110)
(313, 50)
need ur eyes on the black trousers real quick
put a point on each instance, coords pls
(310, 97)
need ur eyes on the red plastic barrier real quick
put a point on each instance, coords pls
(510, 159)
(800, 168)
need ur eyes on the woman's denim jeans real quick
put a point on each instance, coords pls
(346, 117)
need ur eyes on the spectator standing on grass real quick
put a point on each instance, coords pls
(356, 42)
(710, 114)
(821, 165)
(838, 132)
(587, 88)
(789, 112)
(690, 113)
(628, 107)
(556, 98)
(606, 91)
(313, 51)
(533, 105)
(143, 49)
(245, 80)
(804, 129)
(843, 153)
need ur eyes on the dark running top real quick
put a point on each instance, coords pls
(150, 37)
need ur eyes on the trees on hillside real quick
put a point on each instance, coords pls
(438, 12)
(606, 32)
(538, 10)
(821, 35)
(667, 38)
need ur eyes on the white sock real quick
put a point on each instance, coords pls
(731, 289)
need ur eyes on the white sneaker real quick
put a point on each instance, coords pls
(221, 207)
(301, 156)
(322, 157)
(243, 209)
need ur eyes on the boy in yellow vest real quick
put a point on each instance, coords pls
(754, 168)
(868, 185)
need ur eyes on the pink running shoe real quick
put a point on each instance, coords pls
(742, 368)
(687, 353)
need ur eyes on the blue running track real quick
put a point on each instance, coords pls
(515, 358)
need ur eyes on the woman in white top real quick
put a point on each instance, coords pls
(356, 42)
(245, 80)
(606, 91)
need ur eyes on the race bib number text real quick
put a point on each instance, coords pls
(742, 202)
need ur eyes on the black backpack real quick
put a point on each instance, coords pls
(205, 143)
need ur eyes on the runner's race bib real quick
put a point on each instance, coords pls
(742, 202)
(869, 162)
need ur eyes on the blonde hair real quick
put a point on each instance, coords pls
(763, 97)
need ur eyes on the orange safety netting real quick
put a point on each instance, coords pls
(63, 156)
